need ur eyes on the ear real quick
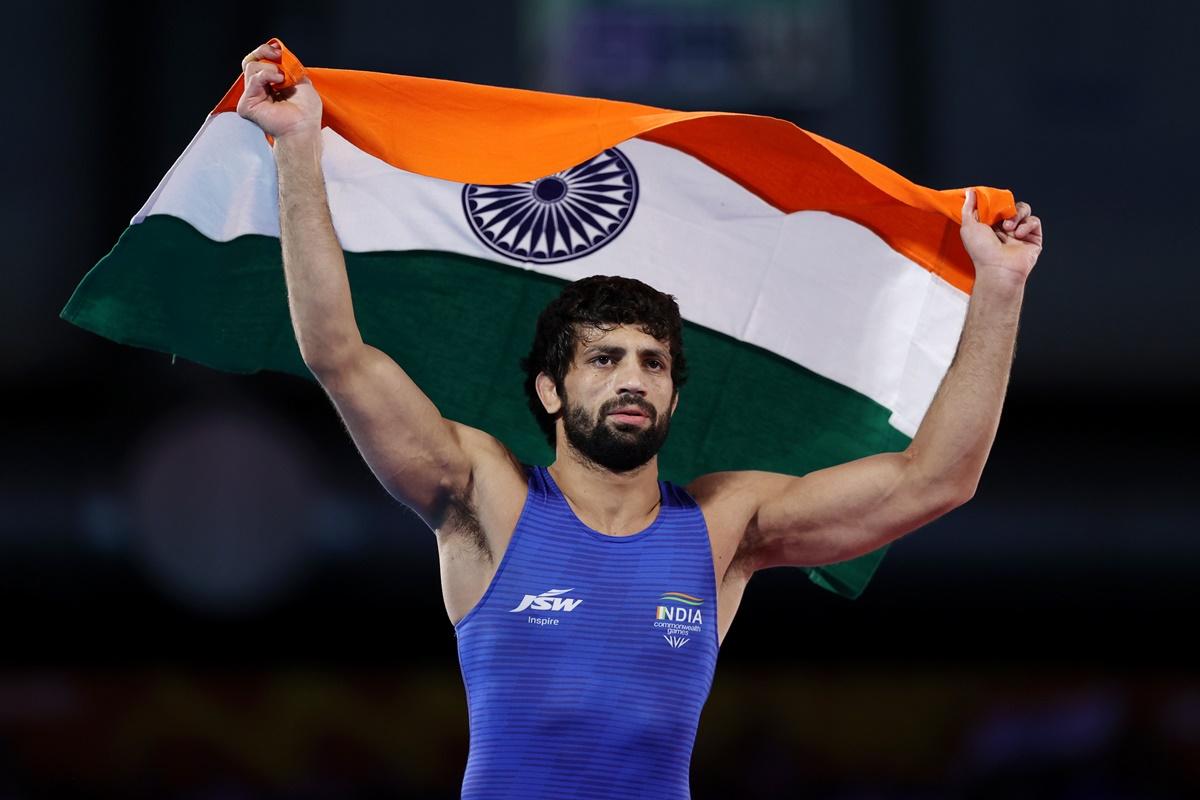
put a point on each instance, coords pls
(548, 393)
(674, 402)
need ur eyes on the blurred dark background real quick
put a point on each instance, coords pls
(205, 594)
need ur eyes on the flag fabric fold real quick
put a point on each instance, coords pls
(823, 294)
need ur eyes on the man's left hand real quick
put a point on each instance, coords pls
(1007, 250)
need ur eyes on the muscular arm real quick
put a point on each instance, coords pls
(315, 269)
(418, 456)
(848, 510)
(414, 452)
(313, 265)
(954, 439)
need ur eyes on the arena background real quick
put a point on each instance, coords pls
(205, 594)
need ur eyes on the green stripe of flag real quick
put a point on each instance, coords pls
(459, 325)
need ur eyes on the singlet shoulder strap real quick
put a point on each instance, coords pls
(539, 483)
(676, 496)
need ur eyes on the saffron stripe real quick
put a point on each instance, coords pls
(491, 135)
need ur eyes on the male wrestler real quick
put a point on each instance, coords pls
(589, 597)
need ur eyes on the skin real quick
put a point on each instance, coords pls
(469, 488)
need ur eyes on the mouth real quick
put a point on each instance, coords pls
(629, 415)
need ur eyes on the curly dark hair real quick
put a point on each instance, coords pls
(600, 302)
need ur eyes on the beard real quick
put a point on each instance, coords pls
(616, 446)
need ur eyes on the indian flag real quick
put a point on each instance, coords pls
(823, 293)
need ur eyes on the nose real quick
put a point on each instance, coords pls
(629, 379)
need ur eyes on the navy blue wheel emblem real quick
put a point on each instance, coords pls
(559, 217)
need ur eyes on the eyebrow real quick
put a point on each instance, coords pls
(614, 350)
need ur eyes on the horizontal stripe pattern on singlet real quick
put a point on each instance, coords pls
(589, 658)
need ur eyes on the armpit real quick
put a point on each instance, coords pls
(461, 520)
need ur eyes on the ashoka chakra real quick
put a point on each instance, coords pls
(559, 217)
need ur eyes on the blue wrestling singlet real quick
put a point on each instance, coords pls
(589, 657)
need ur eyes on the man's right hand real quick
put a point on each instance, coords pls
(278, 113)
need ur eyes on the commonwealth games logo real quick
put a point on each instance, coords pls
(559, 217)
(677, 621)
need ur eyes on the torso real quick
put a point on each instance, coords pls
(589, 658)
(476, 533)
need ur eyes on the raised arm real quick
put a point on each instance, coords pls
(422, 459)
(848, 510)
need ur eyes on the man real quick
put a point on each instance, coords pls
(589, 597)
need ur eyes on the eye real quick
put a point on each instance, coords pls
(598, 359)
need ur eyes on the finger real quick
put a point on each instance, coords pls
(1030, 225)
(264, 52)
(264, 68)
(1023, 211)
(969, 212)
(260, 81)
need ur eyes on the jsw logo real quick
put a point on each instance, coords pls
(549, 601)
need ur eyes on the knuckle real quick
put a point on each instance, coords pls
(260, 52)
(259, 71)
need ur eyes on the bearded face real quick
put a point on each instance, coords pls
(616, 400)
(625, 433)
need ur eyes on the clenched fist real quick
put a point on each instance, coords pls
(1009, 248)
(278, 113)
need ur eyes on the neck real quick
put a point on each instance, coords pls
(614, 503)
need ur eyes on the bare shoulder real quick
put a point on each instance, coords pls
(729, 501)
(734, 494)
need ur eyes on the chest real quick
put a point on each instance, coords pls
(568, 600)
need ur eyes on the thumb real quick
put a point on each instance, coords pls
(969, 210)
